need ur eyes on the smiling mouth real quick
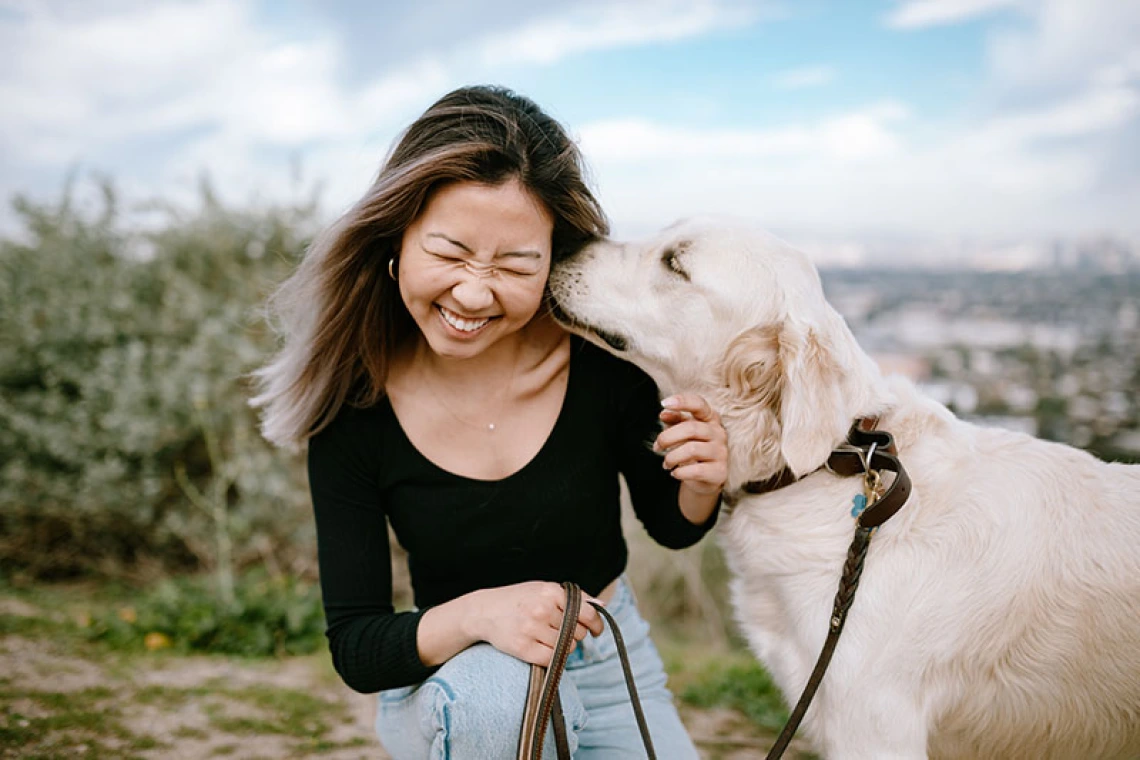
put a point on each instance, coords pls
(613, 340)
(460, 323)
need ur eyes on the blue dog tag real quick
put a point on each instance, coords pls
(858, 505)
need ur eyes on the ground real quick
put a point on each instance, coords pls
(64, 696)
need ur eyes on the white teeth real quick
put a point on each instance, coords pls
(466, 325)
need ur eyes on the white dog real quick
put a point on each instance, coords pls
(999, 610)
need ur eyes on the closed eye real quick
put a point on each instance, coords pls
(671, 259)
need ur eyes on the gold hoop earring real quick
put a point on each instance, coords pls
(392, 267)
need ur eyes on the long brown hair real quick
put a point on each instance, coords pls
(341, 314)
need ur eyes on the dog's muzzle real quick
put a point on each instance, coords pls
(614, 340)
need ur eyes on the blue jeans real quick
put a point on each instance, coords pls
(471, 708)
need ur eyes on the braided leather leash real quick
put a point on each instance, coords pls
(542, 702)
(867, 453)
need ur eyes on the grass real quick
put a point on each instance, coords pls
(746, 687)
(724, 677)
(47, 724)
(46, 630)
(89, 720)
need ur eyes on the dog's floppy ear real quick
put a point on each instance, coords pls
(812, 411)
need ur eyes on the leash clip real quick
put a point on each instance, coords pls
(866, 457)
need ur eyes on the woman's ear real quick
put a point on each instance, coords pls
(812, 409)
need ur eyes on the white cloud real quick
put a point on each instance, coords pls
(878, 167)
(856, 136)
(232, 98)
(159, 94)
(918, 14)
(801, 78)
(597, 26)
(84, 86)
(207, 86)
(1050, 142)
(1102, 108)
(1067, 44)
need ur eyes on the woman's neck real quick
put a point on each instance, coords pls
(509, 356)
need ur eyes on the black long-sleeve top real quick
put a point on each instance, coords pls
(557, 518)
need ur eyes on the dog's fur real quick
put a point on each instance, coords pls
(999, 611)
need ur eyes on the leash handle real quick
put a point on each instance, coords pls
(542, 702)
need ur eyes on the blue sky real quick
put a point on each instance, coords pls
(925, 118)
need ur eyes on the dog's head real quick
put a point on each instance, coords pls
(733, 313)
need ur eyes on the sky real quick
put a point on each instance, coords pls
(995, 119)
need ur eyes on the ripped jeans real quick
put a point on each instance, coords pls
(471, 708)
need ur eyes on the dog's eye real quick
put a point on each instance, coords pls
(671, 261)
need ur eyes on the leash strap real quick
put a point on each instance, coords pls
(852, 570)
(542, 702)
(867, 452)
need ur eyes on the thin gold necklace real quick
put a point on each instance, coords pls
(489, 427)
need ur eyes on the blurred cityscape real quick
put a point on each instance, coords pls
(1050, 347)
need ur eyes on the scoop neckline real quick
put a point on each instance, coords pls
(559, 422)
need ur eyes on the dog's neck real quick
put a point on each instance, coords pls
(786, 477)
(754, 443)
(754, 434)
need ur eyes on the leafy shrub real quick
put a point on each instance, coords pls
(122, 356)
(269, 616)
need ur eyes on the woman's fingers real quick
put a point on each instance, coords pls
(690, 430)
(694, 441)
(545, 639)
(705, 477)
(693, 452)
(692, 403)
(590, 617)
(536, 653)
(549, 613)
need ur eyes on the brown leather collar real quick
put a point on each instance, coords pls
(865, 449)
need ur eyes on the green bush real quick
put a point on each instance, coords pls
(281, 616)
(121, 357)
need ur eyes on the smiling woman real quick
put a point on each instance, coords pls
(473, 265)
(438, 395)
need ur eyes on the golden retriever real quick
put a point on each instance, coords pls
(999, 610)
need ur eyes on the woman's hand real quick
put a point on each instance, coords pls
(524, 619)
(695, 444)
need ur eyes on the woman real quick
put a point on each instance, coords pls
(436, 393)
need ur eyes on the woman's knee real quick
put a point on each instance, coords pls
(482, 689)
(471, 707)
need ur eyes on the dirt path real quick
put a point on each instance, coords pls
(61, 696)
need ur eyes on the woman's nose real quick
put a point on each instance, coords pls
(473, 294)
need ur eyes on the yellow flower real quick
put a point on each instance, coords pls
(155, 640)
(127, 614)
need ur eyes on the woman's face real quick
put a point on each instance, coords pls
(473, 265)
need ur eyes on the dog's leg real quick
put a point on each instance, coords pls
(873, 725)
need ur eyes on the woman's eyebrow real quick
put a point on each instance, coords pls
(527, 252)
(453, 242)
